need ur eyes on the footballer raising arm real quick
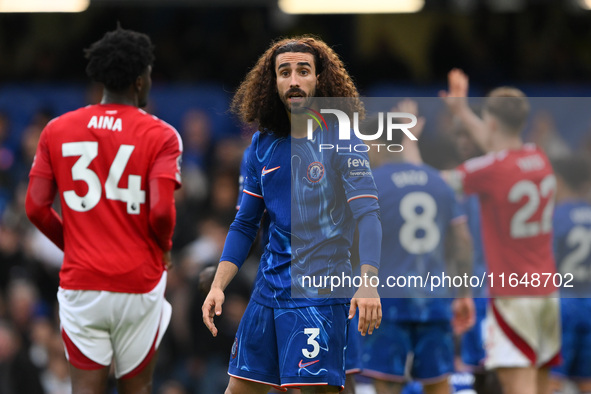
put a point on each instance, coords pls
(456, 100)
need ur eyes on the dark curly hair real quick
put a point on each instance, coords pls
(257, 103)
(118, 58)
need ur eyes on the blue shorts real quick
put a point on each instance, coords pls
(291, 347)
(576, 338)
(387, 354)
(472, 348)
(353, 352)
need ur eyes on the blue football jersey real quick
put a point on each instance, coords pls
(313, 198)
(471, 207)
(572, 247)
(264, 227)
(417, 207)
(472, 342)
(572, 250)
(242, 176)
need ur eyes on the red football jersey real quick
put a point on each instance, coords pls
(516, 189)
(102, 158)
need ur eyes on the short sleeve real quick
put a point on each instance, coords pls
(358, 183)
(478, 175)
(356, 174)
(167, 163)
(42, 163)
(458, 214)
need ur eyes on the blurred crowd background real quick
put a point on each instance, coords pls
(203, 50)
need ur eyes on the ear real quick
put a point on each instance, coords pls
(139, 83)
(494, 123)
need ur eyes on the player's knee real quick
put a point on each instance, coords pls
(441, 387)
(584, 386)
(231, 389)
(234, 390)
(238, 386)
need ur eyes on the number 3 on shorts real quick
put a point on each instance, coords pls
(313, 333)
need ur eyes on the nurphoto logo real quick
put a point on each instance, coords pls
(392, 124)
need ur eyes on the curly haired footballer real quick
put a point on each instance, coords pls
(118, 58)
(256, 101)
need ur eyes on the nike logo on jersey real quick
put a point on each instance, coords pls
(304, 365)
(265, 171)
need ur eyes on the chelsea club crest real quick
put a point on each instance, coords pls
(315, 172)
(235, 348)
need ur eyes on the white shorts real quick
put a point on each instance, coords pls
(120, 327)
(522, 332)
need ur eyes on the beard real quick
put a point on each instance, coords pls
(302, 100)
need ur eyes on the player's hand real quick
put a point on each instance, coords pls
(455, 97)
(212, 306)
(167, 259)
(464, 316)
(370, 309)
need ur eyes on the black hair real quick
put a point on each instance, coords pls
(574, 170)
(117, 59)
(296, 46)
(257, 101)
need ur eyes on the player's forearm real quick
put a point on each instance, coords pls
(462, 254)
(237, 246)
(224, 275)
(368, 271)
(370, 239)
(38, 206)
(162, 211)
(50, 224)
(243, 230)
(163, 227)
(474, 125)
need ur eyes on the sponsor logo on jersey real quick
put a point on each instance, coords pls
(357, 162)
(315, 172)
(358, 167)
